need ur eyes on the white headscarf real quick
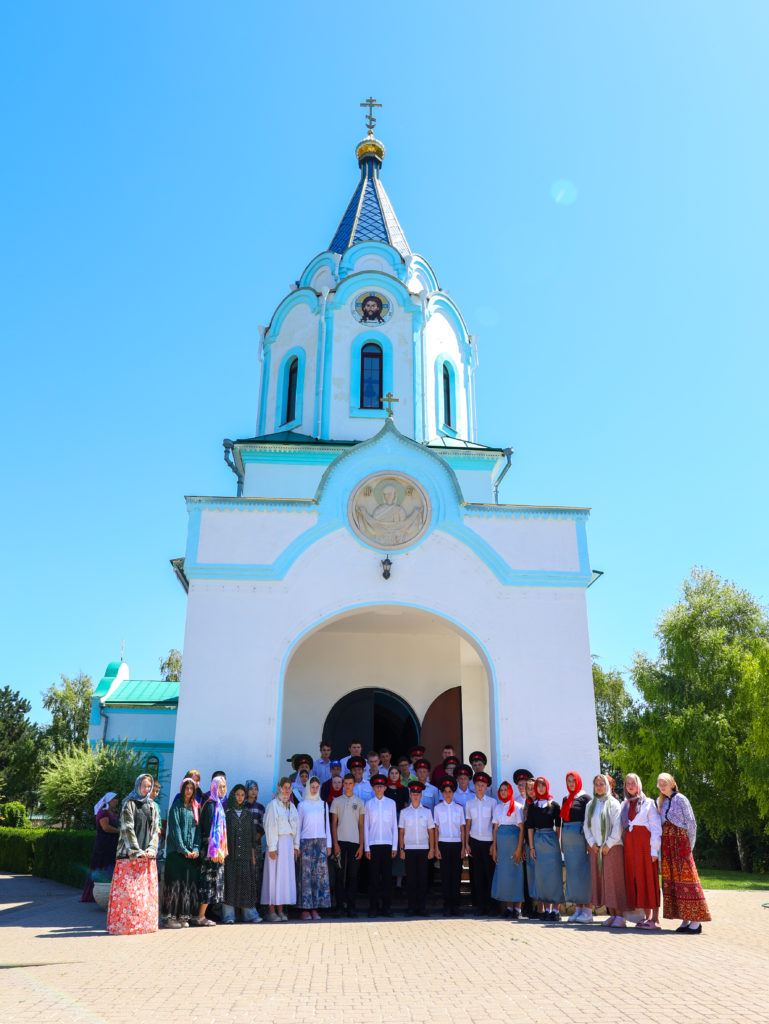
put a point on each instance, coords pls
(103, 802)
(308, 795)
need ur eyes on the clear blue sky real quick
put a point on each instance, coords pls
(589, 181)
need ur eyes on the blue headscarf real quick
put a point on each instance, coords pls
(135, 795)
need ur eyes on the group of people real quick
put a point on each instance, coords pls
(527, 852)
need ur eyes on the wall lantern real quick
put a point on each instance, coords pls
(386, 566)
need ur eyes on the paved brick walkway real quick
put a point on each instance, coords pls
(60, 967)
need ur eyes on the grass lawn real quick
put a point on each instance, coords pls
(714, 878)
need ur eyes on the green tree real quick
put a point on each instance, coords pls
(704, 706)
(612, 706)
(70, 708)
(76, 778)
(21, 749)
(171, 667)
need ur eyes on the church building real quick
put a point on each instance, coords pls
(365, 581)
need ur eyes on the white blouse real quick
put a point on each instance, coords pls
(648, 816)
(313, 820)
(614, 830)
(280, 820)
(499, 817)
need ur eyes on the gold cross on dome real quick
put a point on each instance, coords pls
(370, 119)
(388, 400)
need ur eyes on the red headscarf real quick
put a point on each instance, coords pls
(397, 784)
(511, 802)
(333, 792)
(566, 805)
(537, 794)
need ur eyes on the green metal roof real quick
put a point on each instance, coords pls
(457, 444)
(289, 437)
(107, 679)
(145, 691)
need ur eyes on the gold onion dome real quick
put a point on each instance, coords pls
(370, 146)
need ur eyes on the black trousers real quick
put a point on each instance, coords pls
(416, 880)
(482, 869)
(380, 879)
(451, 875)
(347, 887)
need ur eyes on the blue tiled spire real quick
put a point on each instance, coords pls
(369, 215)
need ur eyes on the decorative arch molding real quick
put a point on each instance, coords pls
(441, 303)
(323, 259)
(417, 264)
(363, 279)
(442, 424)
(281, 391)
(301, 296)
(384, 343)
(470, 637)
(360, 249)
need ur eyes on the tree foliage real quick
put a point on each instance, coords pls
(704, 711)
(612, 705)
(171, 667)
(21, 748)
(70, 708)
(76, 778)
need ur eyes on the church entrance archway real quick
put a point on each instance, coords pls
(378, 718)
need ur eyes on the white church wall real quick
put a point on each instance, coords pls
(281, 479)
(530, 544)
(475, 484)
(441, 340)
(299, 330)
(153, 725)
(251, 535)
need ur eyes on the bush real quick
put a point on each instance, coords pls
(17, 847)
(76, 778)
(14, 815)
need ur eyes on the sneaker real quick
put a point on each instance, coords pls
(575, 917)
(171, 922)
(283, 917)
(586, 916)
(273, 918)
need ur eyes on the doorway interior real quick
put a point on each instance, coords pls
(377, 717)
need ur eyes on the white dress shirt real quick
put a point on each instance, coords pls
(499, 816)
(462, 796)
(364, 791)
(380, 827)
(480, 813)
(449, 819)
(416, 823)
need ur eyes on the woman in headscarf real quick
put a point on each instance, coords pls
(105, 847)
(681, 889)
(543, 823)
(576, 856)
(257, 813)
(507, 851)
(314, 850)
(213, 850)
(281, 830)
(300, 784)
(537, 908)
(603, 833)
(133, 900)
(240, 892)
(182, 868)
(641, 833)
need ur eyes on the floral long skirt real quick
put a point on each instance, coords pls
(133, 898)
(682, 893)
(315, 888)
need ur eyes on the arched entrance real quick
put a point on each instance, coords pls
(378, 718)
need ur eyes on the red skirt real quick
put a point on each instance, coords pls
(681, 890)
(642, 882)
(133, 898)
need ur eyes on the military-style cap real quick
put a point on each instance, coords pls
(449, 783)
(416, 787)
(378, 780)
(477, 755)
(356, 762)
(521, 773)
(464, 769)
(450, 760)
(416, 751)
(482, 777)
(422, 763)
(298, 759)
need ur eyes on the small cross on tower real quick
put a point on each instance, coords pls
(370, 119)
(388, 401)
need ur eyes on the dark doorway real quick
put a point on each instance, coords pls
(443, 724)
(378, 718)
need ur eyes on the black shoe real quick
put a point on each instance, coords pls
(682, 928)
(554, 915)
(692, 931)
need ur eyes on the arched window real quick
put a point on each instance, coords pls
(291, 384)
(152, 765)
(448, 412)
(371, 377)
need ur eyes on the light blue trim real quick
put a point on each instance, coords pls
(480, 649)
(440, 302)
(472, 508)
(247, 504)
(325, 415)
(297, 353)
(418, 384)
(193, 533)
(356, 348)
(296, 458)
(354, 253)
(323, 259)
(584, 556)
(373, 279)
(418, 263)
(113, 709)
(293, 299)
(441, 426)
(264, 390)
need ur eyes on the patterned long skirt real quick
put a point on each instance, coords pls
(211, 884)
(133, 898)
(315, 890)
(180, 887)
(577, 863)
(681, 890)
(641, 876)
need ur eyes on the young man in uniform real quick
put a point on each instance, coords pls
(385, 760)
(321, 768)
(362, 787)
(449, 820)
(381, 846)
(440, 769)
(347, 837)
(372, 766)
(416, 834)
(480, 832)
(430, 794)
(355, 748)
(463, 775)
